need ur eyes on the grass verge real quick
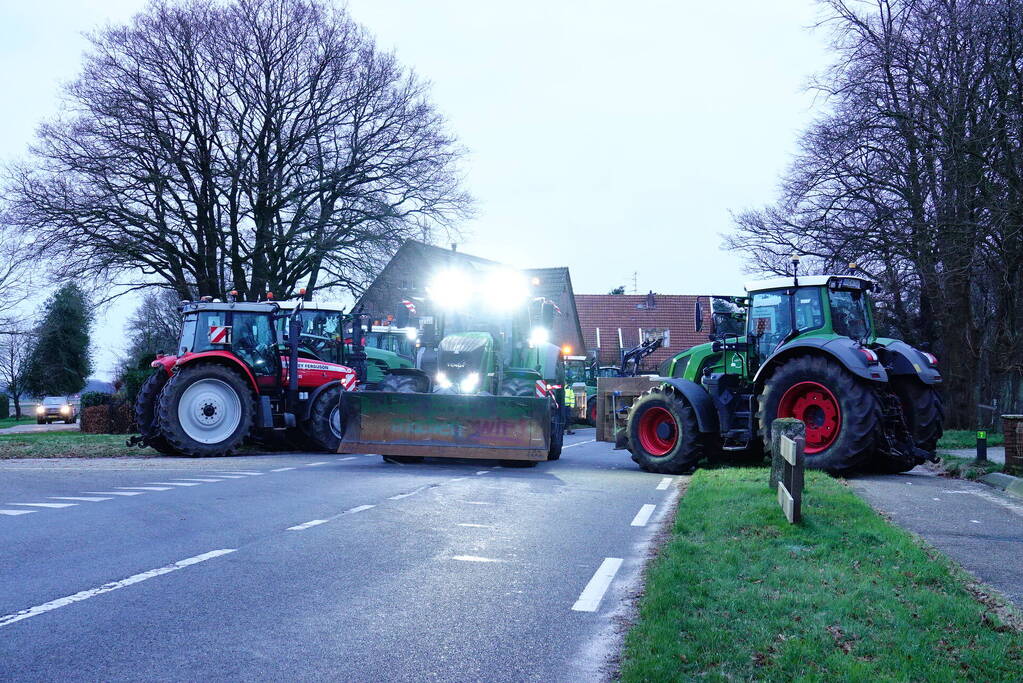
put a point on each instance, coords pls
(739, 594)
(6, 422)
(72, 444)
(967, 468)
(967, 438)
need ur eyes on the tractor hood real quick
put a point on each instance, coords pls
(461, 355)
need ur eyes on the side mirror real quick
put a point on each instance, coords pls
(717, 346)
(699, 315)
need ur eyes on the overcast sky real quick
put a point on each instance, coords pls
(611, 137)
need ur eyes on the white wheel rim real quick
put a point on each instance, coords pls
(335, 422)
(209, 411)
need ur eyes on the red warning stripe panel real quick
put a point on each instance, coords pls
(541, 388)
(220, 334)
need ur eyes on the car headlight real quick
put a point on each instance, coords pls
(40, 410)
(468, 384)
(442, 381)
(65, 410)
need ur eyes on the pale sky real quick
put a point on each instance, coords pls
(610, 137)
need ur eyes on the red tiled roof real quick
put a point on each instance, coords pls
(609, 312)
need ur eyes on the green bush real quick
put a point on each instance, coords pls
(5, 406)
(95, 398)
(133, 381)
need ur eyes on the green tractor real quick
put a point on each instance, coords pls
(809, 351)
(583, 370)
(488, 383)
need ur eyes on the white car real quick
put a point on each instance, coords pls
(56, 408)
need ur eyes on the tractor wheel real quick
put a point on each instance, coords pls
(518, 386)
(663, 434)
(842, 414)
(922, 409)
(405, 384)
(205, 410)
(557, 433)
(145, 412)
(323, 428)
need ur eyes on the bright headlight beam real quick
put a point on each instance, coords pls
(451, 289)
(505, 289)
(442, 380)
(468, 384)
(539, 335)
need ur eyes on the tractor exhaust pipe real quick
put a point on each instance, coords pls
(294, 334)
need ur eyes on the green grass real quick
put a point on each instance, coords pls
(968, 468)
(739, 594)
(71, 444)
(6, 422)
(967, 438)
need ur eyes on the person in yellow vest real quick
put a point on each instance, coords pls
(569, 410)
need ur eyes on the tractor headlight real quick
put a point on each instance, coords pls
(442, 381)
(40, 410)
(505, 290)
(411, 333)
(539, 335)
(451, 289)
(469, 383)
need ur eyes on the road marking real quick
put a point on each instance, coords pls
(643, 516)
(282, 469)
(86, 499)
(16, 512)
(474, 558)
(665, 483)
(314, 464)
(350, 457)
(306, 525)
(46, 505)
(204, 481)
(358, 508)
(107, 587)
(482, 472)
(170, 483)
(116, 493)
(229, 476)
(580, 443)
(456, 479)
(975, 521)
(248, 474)
(476, 502)
(476, 526)
(145, 488)
(410, 493)
(591, 596)
(1011, 507)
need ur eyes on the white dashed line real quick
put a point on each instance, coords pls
(282, 469)
(248, 474)
(476, 502)
(665, 483)
(46, 505)
(86, 499)
(12, 513)
(358, 508)
(580, 443)
(107, 587)
(170, 483)
(482, 472)
(476, 526)
(306, 525)
(229, 476)
(643, 516)
(975, 521)
(591, 596)
(350, 457)
(204, 481)
(456, 479)
(145, 488)
(314, 464)
(474, 558)
(116, 493)
(410, 493)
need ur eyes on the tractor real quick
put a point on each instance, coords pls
(487, 384)
(244, 369)
(809, 351)
(581, 370)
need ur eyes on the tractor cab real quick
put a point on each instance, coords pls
(321, 330)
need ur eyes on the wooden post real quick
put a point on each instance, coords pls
(790, 451)
(783, 426)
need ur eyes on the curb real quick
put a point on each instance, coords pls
(1006, 482)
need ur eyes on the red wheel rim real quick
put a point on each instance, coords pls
(816, 407)
(658, 433)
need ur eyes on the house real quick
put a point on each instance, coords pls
(406, 275)
(617, 322)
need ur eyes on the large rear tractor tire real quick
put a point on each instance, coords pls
(145, 412)
(557, 433)
(923, 411)
(324, 428)
(206, 410)
(842, 414)
(663, 435)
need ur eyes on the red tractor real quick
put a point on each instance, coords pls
(237, 374)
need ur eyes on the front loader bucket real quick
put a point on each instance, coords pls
(445, 425)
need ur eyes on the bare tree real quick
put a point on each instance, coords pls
(154, 327)
(256, 145)
(15, 350)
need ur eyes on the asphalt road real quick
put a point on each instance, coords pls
(979, 527)
(312, 566)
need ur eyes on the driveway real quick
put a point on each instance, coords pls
(33, 427)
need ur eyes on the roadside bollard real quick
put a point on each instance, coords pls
(981, 445)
